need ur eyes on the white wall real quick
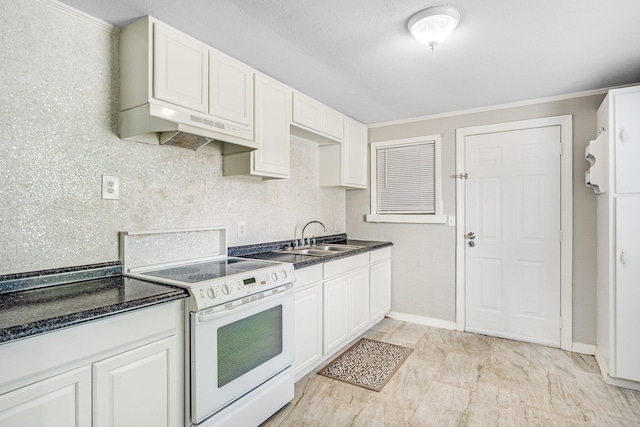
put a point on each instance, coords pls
(424, 255)
(59, 86)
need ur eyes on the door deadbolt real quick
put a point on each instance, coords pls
(471, 244)
(471, 235)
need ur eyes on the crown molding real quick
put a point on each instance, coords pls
(499, 106)
(80, 15)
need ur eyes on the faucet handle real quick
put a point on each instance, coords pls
(313, 241)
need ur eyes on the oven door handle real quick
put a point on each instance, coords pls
(205, 317)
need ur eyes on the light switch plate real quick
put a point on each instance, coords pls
(451, 220)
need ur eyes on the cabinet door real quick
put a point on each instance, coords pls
(627, 288)
(180, 69)
(627, 141)
(273, 110)
(230, 89)
(336, 312)
(60, 401)
(332, 123)
(307, 112)
(308, 327)
(380, 279)
(354, 154)
(138, 387)
(358, 300)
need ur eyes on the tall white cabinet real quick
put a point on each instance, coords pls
(618, 296)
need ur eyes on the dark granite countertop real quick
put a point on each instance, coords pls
(34, 311)
(301, 261)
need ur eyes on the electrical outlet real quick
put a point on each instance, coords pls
(242, 228)
(110, 187)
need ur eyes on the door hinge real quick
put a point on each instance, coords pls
(460, 176)
(561, 236)
(561, 148)
(560, 322)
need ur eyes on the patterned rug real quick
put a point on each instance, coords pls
(367, 363)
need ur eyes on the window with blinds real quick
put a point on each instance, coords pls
(405, 178)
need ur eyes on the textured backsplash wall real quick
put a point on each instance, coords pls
(59, 85)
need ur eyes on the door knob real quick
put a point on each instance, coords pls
(470, 235)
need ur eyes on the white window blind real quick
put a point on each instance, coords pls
(406, 179)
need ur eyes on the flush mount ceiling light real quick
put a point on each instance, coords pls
(434, 25)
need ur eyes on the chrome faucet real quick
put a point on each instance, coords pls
(305, 227)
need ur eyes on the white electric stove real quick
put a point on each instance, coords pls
(240, 322)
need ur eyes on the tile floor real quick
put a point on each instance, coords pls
(460, 379)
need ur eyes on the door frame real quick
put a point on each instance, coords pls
(566, 216)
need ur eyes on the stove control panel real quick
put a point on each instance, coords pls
(230, 288)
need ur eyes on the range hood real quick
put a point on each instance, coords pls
(158, 124)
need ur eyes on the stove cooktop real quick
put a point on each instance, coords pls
(209, 270)
(217, 282)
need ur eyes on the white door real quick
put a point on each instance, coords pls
(627, 289)
(273, 113)
(230, 89)
(180, 69)
(60, 401)
(138, 387)
(512, 206)
(308, 327)
(358, 300)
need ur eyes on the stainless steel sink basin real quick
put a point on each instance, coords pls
(321, 250)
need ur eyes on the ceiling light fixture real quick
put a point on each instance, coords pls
(434, 25)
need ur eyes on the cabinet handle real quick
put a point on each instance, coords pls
(623, 136)
(623, 258)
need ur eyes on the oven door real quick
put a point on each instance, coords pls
(235, 350)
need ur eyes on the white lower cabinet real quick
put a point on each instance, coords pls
(140, 378)
(125, 370)
(308, 317)
(358, 300)
(336, 312)
(63, 400)
(380, 279)
(335, 302)
(346, 299)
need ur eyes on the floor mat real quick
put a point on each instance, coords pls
(367, 363)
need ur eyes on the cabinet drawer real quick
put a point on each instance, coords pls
(307, 276)
(379, 255)
(344, 265)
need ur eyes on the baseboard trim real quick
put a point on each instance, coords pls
(581, 348)
(602, 363)
(422, 320)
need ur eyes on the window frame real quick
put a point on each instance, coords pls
(424, 218)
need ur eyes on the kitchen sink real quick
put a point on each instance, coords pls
(321, 250)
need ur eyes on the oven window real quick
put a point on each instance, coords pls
(248, 343)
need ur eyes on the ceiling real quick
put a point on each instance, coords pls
(359, 58)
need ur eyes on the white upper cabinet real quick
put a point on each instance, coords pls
(230, 89)
(180, 67)
(315, 121)
(172, 82)
(345, 165)
(627, 142)
(272, 113)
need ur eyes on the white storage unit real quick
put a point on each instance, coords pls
(308, 317)
(124, 370)
(345, 165)
(314, 121)
(272, 112)
(172, 82)
(380, 279)
(618, 293)
(346, 299)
